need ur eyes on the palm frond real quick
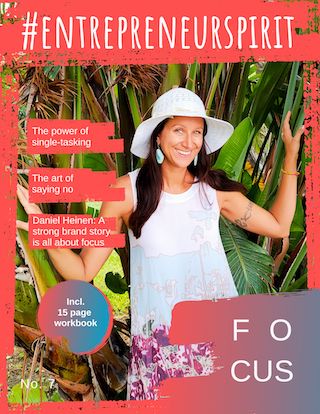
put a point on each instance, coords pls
(250, 264)
(42, 94)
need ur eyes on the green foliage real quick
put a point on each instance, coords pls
(298, 225)
(296, 262)
(26, 304)
(52, 72)
(232, 155)
(41, 269)
(119, 302)
(267, 91)
(116, 283)
(246, 180)
(96, 162)
(35, 395)
(250, 264)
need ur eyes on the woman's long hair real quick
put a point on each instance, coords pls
(150, 184)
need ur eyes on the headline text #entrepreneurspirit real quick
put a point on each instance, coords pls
(91, 32)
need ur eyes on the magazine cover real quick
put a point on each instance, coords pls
(160, 225)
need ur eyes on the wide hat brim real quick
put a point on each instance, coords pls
(218, 133)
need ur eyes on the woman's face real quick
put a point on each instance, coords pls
(181, 140)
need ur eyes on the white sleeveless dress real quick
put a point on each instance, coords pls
(179, 257)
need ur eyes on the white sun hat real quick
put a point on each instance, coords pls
(180, 102)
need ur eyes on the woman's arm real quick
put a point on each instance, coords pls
(277, 221)
(85, 266)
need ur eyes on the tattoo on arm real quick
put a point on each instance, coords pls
(242, 221)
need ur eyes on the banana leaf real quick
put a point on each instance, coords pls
(292, 271)
(37, 260)
(267, 91)
(233, 154)
(26, 304)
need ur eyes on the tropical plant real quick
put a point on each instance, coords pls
(253, 97)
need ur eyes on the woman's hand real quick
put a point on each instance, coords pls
(30, 208)
(291, 143)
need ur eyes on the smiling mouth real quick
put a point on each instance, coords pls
(184, 153)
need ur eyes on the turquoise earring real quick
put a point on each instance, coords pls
(195, 161)
(159, 155)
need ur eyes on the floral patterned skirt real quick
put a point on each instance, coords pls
(154, 359)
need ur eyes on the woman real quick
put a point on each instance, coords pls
(171, 208)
